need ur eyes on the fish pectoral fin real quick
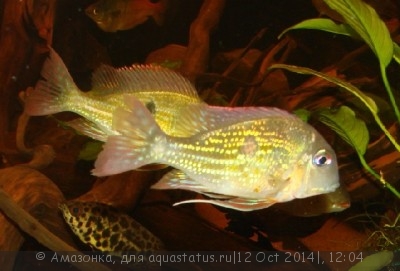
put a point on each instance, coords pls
(88, 128)
(177, 179)
(239, 204)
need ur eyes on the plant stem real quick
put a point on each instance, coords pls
(387, 133)
(378, 177)
(389, 91)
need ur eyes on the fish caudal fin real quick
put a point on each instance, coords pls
(52, 93)
(133, 148)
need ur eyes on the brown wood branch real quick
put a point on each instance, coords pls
(33, 192)
(39, 196)
(197, 55)
(34, 228)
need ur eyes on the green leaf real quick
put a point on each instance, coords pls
(324, 24)
(345, 85)
(367, 23)
(303, 114)
(347, 126)
(374, 262)
(396, 52)
(90, 150)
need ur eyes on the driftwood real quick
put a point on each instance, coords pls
(29, 201)
(31, 226)
(197, 54)
(36, 194)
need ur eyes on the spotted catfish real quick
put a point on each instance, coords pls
(107, 229)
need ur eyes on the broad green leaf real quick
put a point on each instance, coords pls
(374, 262)
(366, 22)
(90, 150)
(324, 24)
(303, 114)
(345, 85)
(396, 52)
(384, 106)
(347, 126)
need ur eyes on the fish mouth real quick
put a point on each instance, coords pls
(318, 191)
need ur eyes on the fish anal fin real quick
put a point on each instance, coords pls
(176, 179)
(88, 128)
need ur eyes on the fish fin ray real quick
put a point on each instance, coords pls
(141, 78)
(132, 148)
(52, 93)
(239, 204)
(88, 128)
(177, 179)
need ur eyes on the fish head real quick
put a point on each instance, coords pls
(105, 13)
(84, 218)
(116, 15)
(316, 171)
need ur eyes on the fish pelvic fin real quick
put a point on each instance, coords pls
(240, 204)
(53, 93)
(140, 141)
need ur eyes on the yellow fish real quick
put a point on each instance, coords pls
(114, 15)
(244, 158)
(164, 92)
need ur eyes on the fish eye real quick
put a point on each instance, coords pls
(322, 158)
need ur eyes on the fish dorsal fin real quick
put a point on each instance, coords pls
(202, 117)
(140, 78)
